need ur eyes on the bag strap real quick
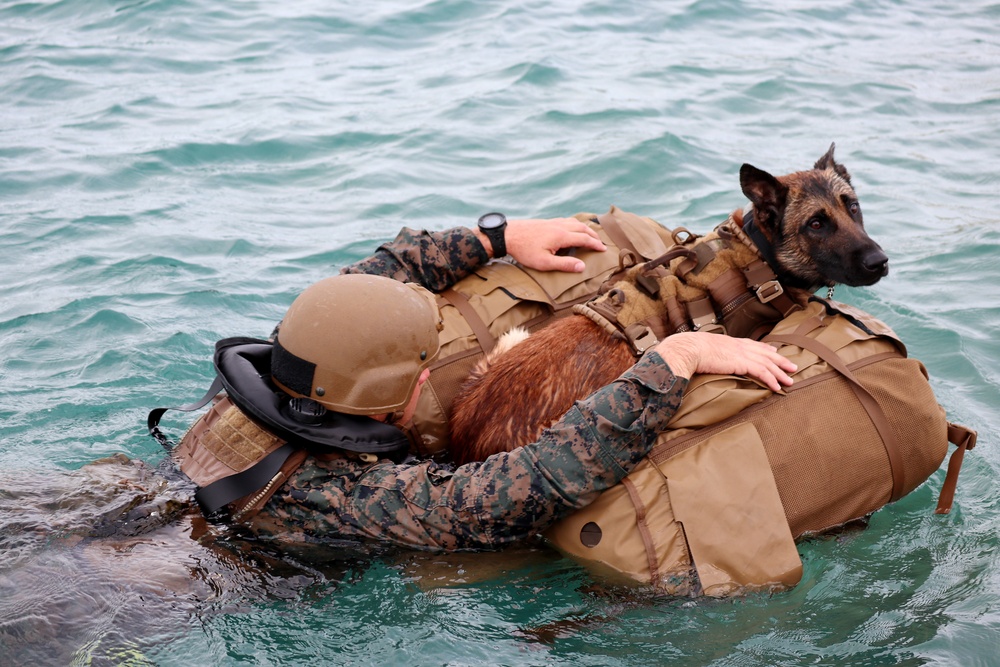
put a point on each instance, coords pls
(479, 328)
(965, 438)
(868, 401)
(223, 491)
(616, 233)
(155, 415)
(647, 537)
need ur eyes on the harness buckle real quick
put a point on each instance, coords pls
(769, 291)
(645, 341)
(640, 337)
(710, 327)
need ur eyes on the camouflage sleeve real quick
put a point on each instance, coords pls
(486, 505)
(436, 260)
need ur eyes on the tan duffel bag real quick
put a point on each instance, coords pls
(742, 472)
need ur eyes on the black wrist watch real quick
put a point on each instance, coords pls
(493, 225)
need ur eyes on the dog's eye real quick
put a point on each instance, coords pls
(815, 223)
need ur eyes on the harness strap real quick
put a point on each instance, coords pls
(728, 289)
(155, 415)
(703, 317)
(223, 491)
(867, 400)
(639, 335)
(965, 438)
(616, 233)
(670, 255)
(705, 253)
(675, 316)
(763, 282)
(479, 328)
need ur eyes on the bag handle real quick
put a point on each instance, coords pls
(644, 532)
(965, 438)
(868, 401)
(155, 415)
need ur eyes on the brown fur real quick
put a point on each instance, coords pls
(814, 226)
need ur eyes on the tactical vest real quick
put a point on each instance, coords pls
(741, 472)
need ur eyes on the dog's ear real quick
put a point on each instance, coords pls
(827, 162)
(766, 193)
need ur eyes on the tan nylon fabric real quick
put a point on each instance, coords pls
(736, 533)
(223, 442)
(828, 464)
(505, 295)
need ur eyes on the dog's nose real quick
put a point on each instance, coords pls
(877, 262)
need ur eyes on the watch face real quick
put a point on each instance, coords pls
(492, 220)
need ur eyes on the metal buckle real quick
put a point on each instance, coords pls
(711, 327)
(708, 324)
(763, 294)
(644, 341)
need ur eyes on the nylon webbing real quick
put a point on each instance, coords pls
(647, 537)
(153, 419)
(870, 404)
(483, 336)
(965, 439)
(223, 491)
(617, 234)
(760, 278)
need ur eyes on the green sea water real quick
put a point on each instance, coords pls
(173, 172)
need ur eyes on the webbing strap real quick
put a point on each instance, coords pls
(965, 438)
(647, 537)
(763, 282)
(483, 336)
(868, 401)
(223, 491)
(153, 419)
(617, 234)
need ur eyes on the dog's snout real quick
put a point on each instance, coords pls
(877, 262)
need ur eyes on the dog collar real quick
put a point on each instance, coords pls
(763, 245)
(766, 250)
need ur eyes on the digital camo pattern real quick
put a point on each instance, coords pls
(508, 497)
(436, 260)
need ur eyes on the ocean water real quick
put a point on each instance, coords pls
(173, 172)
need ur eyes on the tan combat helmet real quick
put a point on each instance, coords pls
(356, 343)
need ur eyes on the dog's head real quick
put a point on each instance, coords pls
(812, 222)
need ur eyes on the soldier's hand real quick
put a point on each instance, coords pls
(699, 352)
(534, 243)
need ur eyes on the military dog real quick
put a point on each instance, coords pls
(805, 227)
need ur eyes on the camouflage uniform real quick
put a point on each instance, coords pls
(479, 505)
(436, 260)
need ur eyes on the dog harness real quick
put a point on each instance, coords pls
(742, 301)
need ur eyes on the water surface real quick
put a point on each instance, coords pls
(173, 172)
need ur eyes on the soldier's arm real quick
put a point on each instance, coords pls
(515, 494)
(597, 443)
(438, 260)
